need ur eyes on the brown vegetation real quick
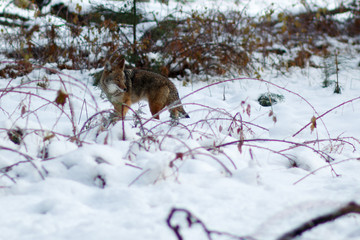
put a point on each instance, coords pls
(210, 43)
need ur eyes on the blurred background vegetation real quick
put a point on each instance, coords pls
(211, 43)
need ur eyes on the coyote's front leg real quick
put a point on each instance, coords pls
(123, 107)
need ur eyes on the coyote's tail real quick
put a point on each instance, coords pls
(174, 102)
(178, 111)
(182, 112)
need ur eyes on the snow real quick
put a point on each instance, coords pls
(121, 183)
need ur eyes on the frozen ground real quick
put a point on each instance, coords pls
(110, 188)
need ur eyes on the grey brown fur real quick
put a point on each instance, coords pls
(124, 87)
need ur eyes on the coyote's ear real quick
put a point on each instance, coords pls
(108, 66)
(122, 64)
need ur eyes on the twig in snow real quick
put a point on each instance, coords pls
(138, 177)
(28, 158)
(330, 110)
(351, 207)
(311, 173)
(193, 220)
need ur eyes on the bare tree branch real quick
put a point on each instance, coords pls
(351, 207)
(192, 220)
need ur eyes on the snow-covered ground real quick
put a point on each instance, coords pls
(123, 180)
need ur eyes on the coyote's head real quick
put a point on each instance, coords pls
(113, 81)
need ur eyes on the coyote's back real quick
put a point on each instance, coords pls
(124, 87)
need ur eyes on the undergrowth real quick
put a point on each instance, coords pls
(46, 97)
(212, 42)
(76, 118)
(207, 43)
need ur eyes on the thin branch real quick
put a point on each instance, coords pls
(326, 166)
(193, 220)
(322, 115)
(351, 207)
(28, 158)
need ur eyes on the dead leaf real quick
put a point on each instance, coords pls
(61, 97)
(241, 142)
(48, 137)
(313, 123)
(23, 110)
(248, 110)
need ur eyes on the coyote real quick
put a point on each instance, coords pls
(126, 86)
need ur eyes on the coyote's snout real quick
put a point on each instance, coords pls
(124, 87)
